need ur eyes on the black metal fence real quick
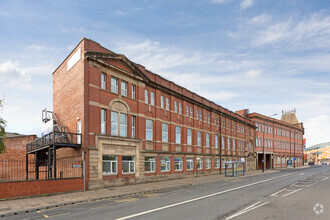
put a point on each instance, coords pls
(19, 170)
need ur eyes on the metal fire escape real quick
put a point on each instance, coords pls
(44, 148)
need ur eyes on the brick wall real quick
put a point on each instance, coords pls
(16, 147)
(38, 187)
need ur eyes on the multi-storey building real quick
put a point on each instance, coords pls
(137, 126)
(277, 141)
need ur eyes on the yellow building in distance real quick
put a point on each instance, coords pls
(318, 153)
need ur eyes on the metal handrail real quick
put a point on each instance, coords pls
(56, 137)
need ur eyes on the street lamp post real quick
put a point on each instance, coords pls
(263, 145)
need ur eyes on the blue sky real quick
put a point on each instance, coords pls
(263, 55)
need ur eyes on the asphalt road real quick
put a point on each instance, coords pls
(288, 194)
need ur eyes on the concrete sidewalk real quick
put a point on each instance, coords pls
(22, 205)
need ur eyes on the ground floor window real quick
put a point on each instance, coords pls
(199, 163)
(165, 164)
(278, 160)
(223, 162)
(178, 163)
(128, 164)
(149, 164)
(217, 163)
(109, 164)
(208, 163)
(283, 160)
(190, 163)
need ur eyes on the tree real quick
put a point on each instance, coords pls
(2, 131)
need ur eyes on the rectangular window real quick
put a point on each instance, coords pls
(178, 163)
(206, 116)
(207, 163)
(199, 138)
(114, 123)
(190, 163)
(133, 126)
(178, 135)
(234, 144)
(114, 85)
(189, 136)
(128, 164)
(109, 164)
(152, 98)
(165, 164)
(191, 112)
(176, 106)
(103, 81)
(164, 132)
(187, 110)
(162, 101)
(124, 88)
(223, 142)
(146, 96)
(200, 115)
(167, 104)
(180, 108)
(216, 141)
(207, 140)
(149, 129)
(149, 164)
(199, 163)
(197, 114)
(217, 163)
(103, 121)
(133, 91)
(228, 143)
(123, 125)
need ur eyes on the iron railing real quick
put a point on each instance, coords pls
(55, 137)
(19, 170)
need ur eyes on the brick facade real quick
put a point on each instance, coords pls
(107, 112)
(16, 146)
(282, 141)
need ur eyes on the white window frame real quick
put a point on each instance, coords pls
(216, 141)
(133, 91)
(207, 142)
(103, 81)
(176, 106)
(130, 162)
(178, 135)
(123, 88)
(190, 161)
(223, 142)
(133, 126)
(165, 162)
(114, 84)
(208, 163)
(189, 136)
(146, 96)
(113, 163)
(167, 104)
(199, 163)
(216, 163)
(164, 132)
(199, 138)
(162, 104)
(103, 121)
(149, 131)
(180, 108)
(152, 98)
(152, 164)
(178, 163)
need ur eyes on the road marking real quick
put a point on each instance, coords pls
(278, 192)
(290, 193)
(151, 195)
(242, 212)
(199, 198)
(313, 184)
(325, 178)
(51, 216)
(126, 200)
(99, 207)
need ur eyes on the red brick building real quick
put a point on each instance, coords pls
(137, 126)
(278, 140)
(16, 146)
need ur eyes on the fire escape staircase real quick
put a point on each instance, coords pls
(44, 149)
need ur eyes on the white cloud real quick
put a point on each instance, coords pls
(246, 4)
(317, 129)
(296, 34)
(260, 19)
(253, 73)
(10, 72)
(220, 1)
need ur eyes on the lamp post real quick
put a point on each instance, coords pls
(263, 144)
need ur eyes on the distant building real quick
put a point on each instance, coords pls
(279, 140)
(318, 153)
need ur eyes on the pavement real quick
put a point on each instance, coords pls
(31, 204)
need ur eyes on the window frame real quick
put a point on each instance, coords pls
(114, 87)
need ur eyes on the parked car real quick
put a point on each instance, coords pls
(324, 163)
(310, 163)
